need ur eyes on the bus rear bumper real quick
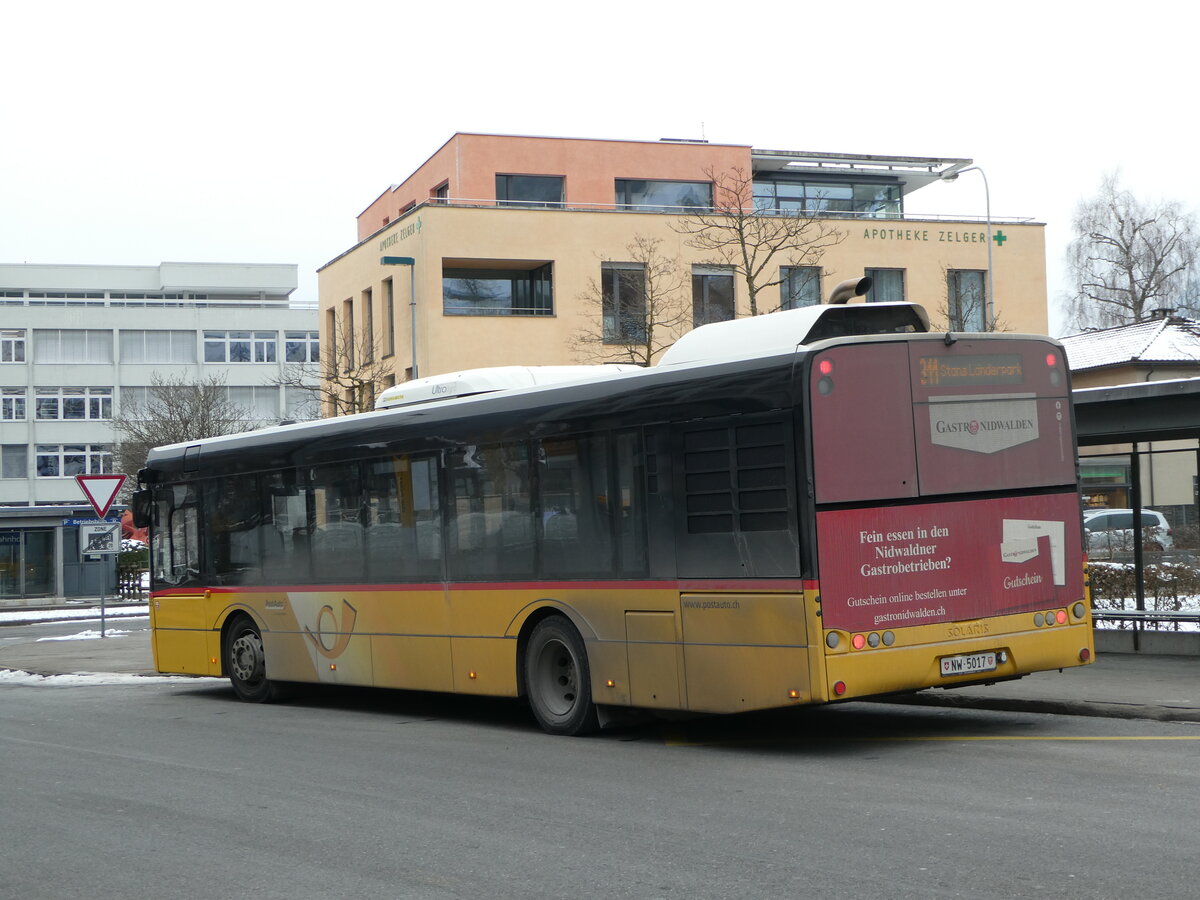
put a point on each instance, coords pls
(988, 658)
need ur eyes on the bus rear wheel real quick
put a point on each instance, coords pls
(246, 662)
(558, 680)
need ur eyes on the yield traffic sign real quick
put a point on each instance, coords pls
(100, 490)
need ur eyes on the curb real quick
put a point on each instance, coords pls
(1090, 708)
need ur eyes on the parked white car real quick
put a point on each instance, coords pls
(1112, 529)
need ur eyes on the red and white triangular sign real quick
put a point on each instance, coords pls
(100, 490)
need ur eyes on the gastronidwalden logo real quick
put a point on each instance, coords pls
(983, 424)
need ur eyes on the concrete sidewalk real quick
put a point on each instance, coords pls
(1123, 685)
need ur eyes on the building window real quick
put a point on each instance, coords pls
(240, 346)
(498, 292)
(73, 403)
(887, 286)
(302, 346)
(75, 345)
(712, 295)
(12, 345)
(529, 190)
(12, 405)
(256, 401)
(301, 403)
(389, 316)
(789, 197)
(623, 288)
(441, 193)
(14, 461)
(348, 336)
(158, 346)
(799, 286)
(663, 196)
(68, 460)
(368, 300)
(968, 299)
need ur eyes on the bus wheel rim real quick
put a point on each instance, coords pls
(557, 678)
(246, 657)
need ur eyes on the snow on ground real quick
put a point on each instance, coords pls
(91, 679)
(121, 610)
(88, 635)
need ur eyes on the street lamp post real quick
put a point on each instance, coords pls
(412, 297)
(987, 203)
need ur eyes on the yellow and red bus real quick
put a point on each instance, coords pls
(819, 505)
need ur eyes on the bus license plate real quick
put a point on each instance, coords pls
(968, 664)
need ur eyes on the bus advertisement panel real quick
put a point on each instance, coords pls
(895, 566)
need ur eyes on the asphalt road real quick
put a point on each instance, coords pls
(177, 790)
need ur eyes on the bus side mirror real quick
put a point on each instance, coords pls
(143, 504)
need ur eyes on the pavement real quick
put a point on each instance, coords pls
(1120, 685)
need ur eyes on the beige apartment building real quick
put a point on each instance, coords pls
(503, 250)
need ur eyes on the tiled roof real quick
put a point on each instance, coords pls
(1170, 340)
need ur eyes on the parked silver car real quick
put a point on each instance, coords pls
(1112, 529)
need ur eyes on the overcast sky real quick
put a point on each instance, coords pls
(137, 133)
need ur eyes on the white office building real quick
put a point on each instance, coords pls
(77, 342)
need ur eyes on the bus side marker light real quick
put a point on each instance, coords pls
(213, 660)
(333, 667)
(793, 694)
(839, 688)
(858, 641)
(610, 683)
(1085, 654)
(472, 675)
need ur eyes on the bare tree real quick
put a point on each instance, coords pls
(637, 310)
(755, 243)
(1128, 257)
(175, 410)
(345, 379)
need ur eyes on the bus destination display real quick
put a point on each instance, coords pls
(977, 369)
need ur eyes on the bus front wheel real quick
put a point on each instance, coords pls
(557, 679)
(246, 663)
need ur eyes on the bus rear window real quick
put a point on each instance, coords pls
(974, 415)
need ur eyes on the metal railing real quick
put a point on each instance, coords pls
(1139, 618)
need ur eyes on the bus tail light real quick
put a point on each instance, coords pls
(839, 688)
(825, 382)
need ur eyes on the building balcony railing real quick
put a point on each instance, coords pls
(657, 209)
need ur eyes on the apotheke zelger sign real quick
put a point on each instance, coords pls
(983, 425)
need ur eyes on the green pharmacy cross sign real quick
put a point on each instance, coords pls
(999, 237)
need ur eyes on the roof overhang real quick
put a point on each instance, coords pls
(1150, 411)
(911, 171)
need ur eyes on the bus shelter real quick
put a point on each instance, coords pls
(40, 556)
(1139, 449)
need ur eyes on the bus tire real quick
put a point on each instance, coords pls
(558, 679)
(246, 662)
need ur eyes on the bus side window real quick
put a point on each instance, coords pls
(491, 524)
(176, 536)
(232, 519)
(337, 531)
(630, 512)
(577, 531)
(404, 522)
(285, 557)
